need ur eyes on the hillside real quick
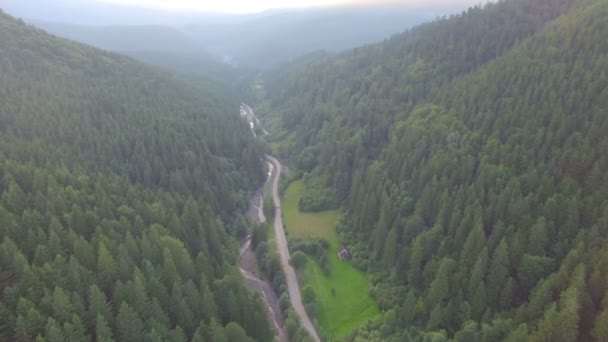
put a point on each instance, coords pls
(120, 193)
(161, 46)
(469, 157)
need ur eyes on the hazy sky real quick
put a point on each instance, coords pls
(245, 6)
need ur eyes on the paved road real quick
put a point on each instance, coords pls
(292, 281)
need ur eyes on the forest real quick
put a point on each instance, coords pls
(121, 193)
(469, 158)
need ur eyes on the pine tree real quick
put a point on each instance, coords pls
(62, 307)
(129, 325)
(390, 248)
(106, 267)
(498, 272)
(53, 332)
(439, 289)
(29, 323)
(103, 333)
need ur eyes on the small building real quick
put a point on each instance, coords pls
(343, 253)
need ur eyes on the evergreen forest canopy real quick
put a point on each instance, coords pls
(120, 188)
(469, 156)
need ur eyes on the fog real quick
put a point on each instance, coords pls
(255, 40)
(119, 12)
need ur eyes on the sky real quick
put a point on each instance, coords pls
(250, 6)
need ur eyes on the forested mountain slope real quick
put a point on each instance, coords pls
(119, 189)
(470, 157)
(161, 46)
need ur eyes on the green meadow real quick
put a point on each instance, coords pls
(349, 305)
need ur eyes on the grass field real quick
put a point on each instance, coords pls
(349, 305)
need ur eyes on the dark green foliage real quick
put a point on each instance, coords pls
(316, 196)
(469, 155)
(298, 260)
(315, 248)
(119, 188)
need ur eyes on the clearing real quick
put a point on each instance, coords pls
(350, 305)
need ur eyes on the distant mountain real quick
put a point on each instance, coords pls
(124, 38)
(258, 40)
(162, 46)
(270, 38)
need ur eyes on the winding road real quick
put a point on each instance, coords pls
(258, 285)
(292, 281)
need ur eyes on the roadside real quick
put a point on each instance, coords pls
(293, 321)
(292, 281)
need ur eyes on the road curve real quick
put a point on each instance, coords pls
(292, 281)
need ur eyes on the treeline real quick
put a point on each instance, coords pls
(469, 154)
(120, 188)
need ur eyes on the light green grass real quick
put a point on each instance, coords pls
(304, 225)
(351, 305)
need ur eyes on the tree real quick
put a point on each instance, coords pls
(308, 294)
(98, 305)
(200, 334)
(473, 246)
(29, 323)
(103, 333)
(53, 332)
(130, 326)
(439, 289)
(600, 327)
(408, 311)
(531, 269)
(75, 330)
(62, 307)
(106, 267)
(234, 332)
(217, 333)
(538, 238)
(298, 260)
(498, 272)
(390, 248)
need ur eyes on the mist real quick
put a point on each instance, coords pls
(257, 40)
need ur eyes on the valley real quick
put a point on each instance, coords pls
(274, 176)
(446, 182)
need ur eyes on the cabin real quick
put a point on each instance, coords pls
(343, 253)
